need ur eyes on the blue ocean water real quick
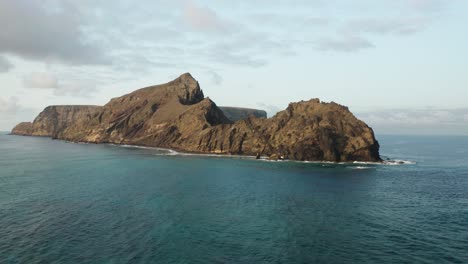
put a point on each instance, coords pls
(76, 203)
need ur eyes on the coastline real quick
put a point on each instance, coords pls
(178, 152)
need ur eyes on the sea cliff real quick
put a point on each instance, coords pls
(177, 115)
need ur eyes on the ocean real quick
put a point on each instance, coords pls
(81, 203)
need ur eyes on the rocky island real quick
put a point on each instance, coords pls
(177, 115)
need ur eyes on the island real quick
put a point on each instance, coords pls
(177, 115)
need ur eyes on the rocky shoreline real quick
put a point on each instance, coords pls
(176, 115)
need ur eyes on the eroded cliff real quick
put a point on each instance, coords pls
(177, 115)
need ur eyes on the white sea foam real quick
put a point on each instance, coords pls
(387, 162)
(171, 152)
(399, 162)
(361, 168)
(134, 146)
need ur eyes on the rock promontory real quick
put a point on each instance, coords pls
(177, 115)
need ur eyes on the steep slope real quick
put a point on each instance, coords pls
(176, 115)
(308, 130)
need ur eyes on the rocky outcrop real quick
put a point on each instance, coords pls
(177, 115)
(55, 119)
(239, 113)
(23, 129)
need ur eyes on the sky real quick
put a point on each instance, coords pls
(399, 65)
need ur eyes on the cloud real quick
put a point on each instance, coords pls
(354, 34)
(418, 116)
(9, 106)
(78, 88)
(427, 5)
(216, 78)
(346, 43)
(202, 18)
(41, 80)
(418, 121)
(282, 20)
(317, 21)
(44, 32)
(5, 64)
(218, 55)
(137, 40)
(12, 113)
(69, 87)
(387, 26)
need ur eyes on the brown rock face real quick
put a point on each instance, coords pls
(177, 115)
(55, 119)
(23, 129)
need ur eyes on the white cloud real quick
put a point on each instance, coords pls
(396, 26)
(8, 106)
(203, 18)
(144, 39)
(5, 65)
(317, 21)
(77, 88)
(41, 80)
(46, 32)
(12, 113)
(346, 43)
(427, 5)
(67, 87)
(414, 121)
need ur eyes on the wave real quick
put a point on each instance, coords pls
(399, 162)
(361, 167)
(171, 152)
(135, 146)
(211, 155)
(387, 162)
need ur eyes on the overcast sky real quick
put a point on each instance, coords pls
(400, 65)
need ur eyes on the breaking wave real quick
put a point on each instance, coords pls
(387, 162)
(361, 168)
(171, 152)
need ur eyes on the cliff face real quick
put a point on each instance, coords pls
(177, 115)
(54, 119)
(23, 129)
(240, 113)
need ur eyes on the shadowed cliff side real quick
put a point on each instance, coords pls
(177, 115)
(239, 113)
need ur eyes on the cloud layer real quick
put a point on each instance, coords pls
(36, 32)
(418, 121)
(48, 81)
(40, 80)
(202, 18)
(79, 48)
(135, 38)
(5, 65)
(12, 113)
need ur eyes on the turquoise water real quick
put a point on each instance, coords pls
(72, 203)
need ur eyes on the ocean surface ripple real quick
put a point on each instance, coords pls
(77, 203)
